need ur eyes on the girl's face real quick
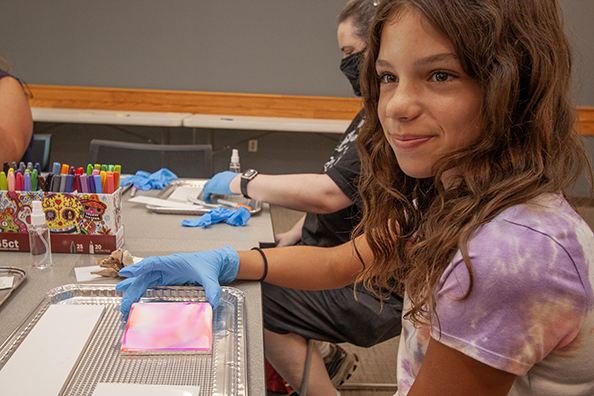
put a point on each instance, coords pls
(428, 106)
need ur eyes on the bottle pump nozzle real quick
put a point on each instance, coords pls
(234, 165)
(37, 215)
(235, 155)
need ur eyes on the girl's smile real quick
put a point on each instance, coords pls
(408, 142)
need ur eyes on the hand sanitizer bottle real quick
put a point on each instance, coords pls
(234, 165)
(40, 243)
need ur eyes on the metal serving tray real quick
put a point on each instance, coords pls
(178, 189)
(221, 373)
(19, 276)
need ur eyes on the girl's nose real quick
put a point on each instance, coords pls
(403, 104)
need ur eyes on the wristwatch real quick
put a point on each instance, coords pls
(246, 177)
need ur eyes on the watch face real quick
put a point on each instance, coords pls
(248, 174)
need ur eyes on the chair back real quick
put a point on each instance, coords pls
(41, 150)
(190, 161)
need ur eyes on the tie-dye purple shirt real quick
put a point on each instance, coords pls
(530, 311)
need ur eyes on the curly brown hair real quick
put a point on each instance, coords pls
(518, 53)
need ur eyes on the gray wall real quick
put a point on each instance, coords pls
(579, 25)
(246, 46)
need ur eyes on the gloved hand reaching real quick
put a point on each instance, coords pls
(218, 184)
(209, 269)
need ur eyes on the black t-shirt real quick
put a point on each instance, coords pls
(343, 167)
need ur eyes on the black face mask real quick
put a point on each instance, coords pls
(350, 67)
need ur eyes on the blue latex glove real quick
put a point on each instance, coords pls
(239, 217)
(212, 217)
(143, 180)
(201, 268)
(234, 217)
(218, 184)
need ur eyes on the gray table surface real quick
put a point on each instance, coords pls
(148, 234)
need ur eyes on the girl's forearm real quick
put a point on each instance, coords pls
(306, 267)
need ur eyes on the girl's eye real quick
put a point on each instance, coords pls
(386, 78)
(442, 76)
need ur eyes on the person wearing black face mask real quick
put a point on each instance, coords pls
(333, 208)
(350, 67)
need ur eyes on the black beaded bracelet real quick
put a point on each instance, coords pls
(265, 263)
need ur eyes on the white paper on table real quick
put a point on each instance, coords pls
(6, 282)
(43, 362)
(180, 194)
(83, 274)
(162, 202)
(110, 389)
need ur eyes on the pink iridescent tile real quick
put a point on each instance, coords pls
(168, 327)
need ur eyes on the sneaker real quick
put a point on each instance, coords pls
(340, 364)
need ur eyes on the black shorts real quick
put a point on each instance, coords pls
(332, 315)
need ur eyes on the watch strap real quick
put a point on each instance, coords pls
(243, 185)
(246, 177)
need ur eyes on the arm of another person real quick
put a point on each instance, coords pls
(447, 372)
(307, 192)
(292, 236)
(16, 123)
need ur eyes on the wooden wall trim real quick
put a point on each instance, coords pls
(321, 107)
(586, 120)
(194, 102)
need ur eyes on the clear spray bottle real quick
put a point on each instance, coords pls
(234, 165)
(40, 243)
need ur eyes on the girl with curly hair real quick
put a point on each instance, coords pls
(468, 146)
